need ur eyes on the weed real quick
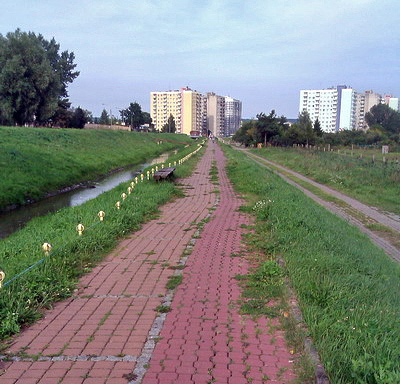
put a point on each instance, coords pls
(163, 308)
(130, 376)
(280, 372)
(174, 281)
(177, 267)
(104, 318)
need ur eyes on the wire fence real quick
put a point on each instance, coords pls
(80, 228)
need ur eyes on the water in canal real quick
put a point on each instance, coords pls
(17, 218)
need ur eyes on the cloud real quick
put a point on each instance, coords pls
(261, 49)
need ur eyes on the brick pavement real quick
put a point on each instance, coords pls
(204, 338)
(106, 332)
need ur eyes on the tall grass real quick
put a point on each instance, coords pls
(34, 161)
(348, 288)
(22, 300)
(377, 184)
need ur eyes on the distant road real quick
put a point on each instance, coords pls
(388, 220)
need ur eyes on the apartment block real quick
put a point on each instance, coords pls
(196, 113)
(233, 115)
(365, 101)
(164, 104)
(216, 114)
(335, 107)
(393, 102)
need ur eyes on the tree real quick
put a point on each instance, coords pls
(133, 116)
(317, 128)
(62, 115)
(104, 118)
(147, 118)
(244, 135)
(33, 78)
(385, 117)
(305, 125)
(267, 127)
(78, 119)
(170, 126)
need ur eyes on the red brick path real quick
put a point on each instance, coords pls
(106, 333)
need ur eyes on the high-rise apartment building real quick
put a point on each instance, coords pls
(393, 102)
(335, 108)
(233, 115)
(192, 112)
(185, 105)
(341, 107)
(365, 101)
(216, 114)
(164, 104)
(196, 113)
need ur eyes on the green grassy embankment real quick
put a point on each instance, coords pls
(348, 289)
(22, 300)
(376, 184)
(35, 161)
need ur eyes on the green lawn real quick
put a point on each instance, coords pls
(34, 161)
(376, 184)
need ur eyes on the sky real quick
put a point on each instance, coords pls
(261, 52)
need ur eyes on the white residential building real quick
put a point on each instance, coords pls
(335, 107)
(393, 102)
(233, 115)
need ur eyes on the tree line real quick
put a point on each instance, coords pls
(383, 123)
(34, 77)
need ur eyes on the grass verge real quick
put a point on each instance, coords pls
(376, 184)
(387, 233)
(69, 156)
(22, 301)
(347, 287)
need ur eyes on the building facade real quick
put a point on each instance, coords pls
(365, 101)
(196, 113)
(164, 104)
(233, 115)
(335, 107)
(393, 102)
(215, 114)
(341, 108)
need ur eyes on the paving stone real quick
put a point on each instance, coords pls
(112, 316)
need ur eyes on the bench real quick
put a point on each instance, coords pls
(163, 173)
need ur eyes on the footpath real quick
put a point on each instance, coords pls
(124, 325)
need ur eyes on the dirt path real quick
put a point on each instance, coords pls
(379, 217)
(110, 332)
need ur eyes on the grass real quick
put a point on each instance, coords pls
(376, 184)
(22, 301)
(347, 288)
(174, 281)
(35, 161)
(214, 173)
(163, 308)
(393, 237)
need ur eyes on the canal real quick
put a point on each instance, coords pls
(14, 220)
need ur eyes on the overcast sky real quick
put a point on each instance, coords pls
(259, 51)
